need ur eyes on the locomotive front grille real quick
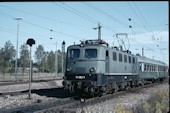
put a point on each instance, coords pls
(80, 70)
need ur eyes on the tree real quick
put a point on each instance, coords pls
(51, 61)
(59, 61)
(7, 54)
(40, 57)
(24, 57)
(1, 59)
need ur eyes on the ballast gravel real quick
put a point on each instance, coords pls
(131, 99)
(8, 101)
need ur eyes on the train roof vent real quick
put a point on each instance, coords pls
(116, 48)
(94, 42)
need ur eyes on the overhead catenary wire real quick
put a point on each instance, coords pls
(146, 23)
(106, 14)
(45, 18)
(127, 17)
(102, 12)
(138, 17)
(42, 27)
(70, 9)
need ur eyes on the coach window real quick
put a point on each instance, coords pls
(120, 57)
(140, 67)
(129, 57)
(145, 67)
(158, 68)
(114, 56)
(164, 68)
(125, 58)
(90, 53)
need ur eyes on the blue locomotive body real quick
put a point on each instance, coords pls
(94, 67)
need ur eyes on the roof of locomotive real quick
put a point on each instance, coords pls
(150, 61)
(100, 43)
(91, 43)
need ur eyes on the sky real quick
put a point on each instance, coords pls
(50, 23)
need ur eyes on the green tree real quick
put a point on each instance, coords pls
(41, 58)
(24, 57)
(1, 59)
(7, 54)
(59, 61)
(51, 61)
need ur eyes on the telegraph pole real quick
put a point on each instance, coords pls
(56, 58)
(99, 30)
(16, 59)
(142, 52)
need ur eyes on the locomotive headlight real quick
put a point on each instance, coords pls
(92, 69)
(68, 69)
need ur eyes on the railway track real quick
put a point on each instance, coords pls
(69, 104)
(71, 107)
(5, 83)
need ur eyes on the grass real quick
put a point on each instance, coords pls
(157, 103)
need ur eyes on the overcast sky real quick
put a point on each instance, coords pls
(146, 24)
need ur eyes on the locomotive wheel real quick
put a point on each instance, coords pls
(116, 88)
(97, 90)
(71, 88)
(127, 87)
(109, 89)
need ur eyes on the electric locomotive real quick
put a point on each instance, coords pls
(94, 67)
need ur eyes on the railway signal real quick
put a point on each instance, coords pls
(30, 42)
(62, 58)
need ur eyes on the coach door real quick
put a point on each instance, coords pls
(107, 61)
(134, 65)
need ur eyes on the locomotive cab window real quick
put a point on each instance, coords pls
(74, 53)
(90, 53)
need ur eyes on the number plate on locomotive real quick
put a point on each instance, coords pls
(80, 77)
